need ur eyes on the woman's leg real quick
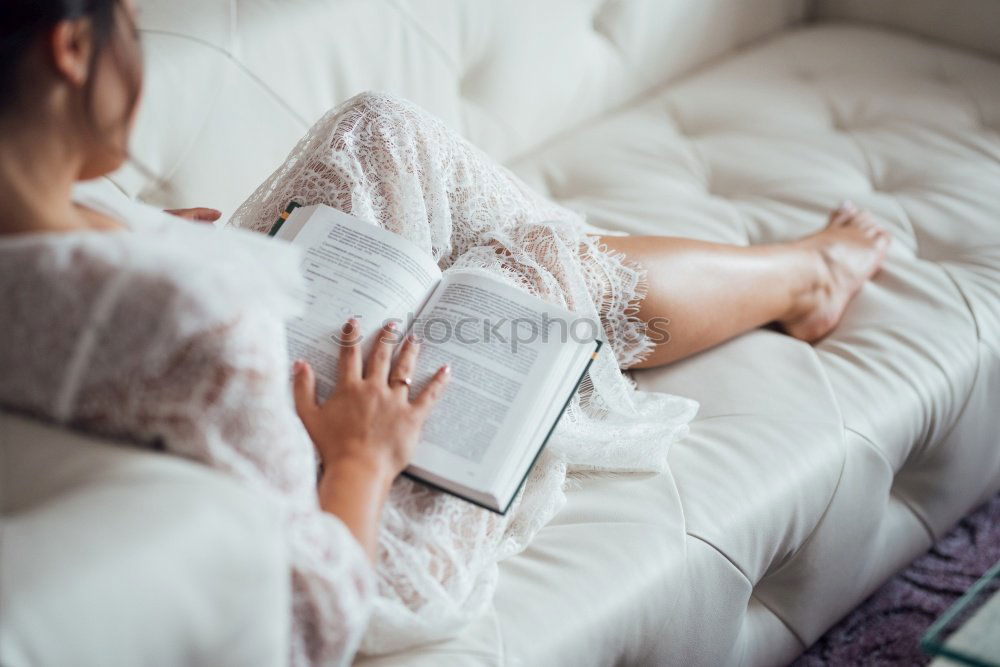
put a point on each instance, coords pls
(712, 292)
(393, 164)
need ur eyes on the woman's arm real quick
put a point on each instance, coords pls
(366, 430)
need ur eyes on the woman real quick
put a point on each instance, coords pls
(121, 320)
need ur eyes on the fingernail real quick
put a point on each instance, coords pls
(848, 206)
(391, 325)
(414, 340)
(446, 369)
(349, 326)
(297, 366)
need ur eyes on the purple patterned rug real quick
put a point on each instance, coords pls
(886, 628)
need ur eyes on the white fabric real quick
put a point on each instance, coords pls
(172, 336)
(386, 161)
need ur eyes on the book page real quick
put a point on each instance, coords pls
(501, 344)
(352, 269)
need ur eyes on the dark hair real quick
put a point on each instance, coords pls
(24, 20)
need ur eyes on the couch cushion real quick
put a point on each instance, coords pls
(114, 556)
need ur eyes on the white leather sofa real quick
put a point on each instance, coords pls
(811, 474)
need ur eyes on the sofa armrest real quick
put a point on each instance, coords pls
(111, 555)
(973, 24)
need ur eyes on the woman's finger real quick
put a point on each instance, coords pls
(426, 399)
(405, 362)
(200, 213)
(349, 365)
(381, 355)
(304, 389)
(842, 213)
(205, 214)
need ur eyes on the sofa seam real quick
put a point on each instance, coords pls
(454, 64)
(784, 622)
(812, 535)
(240, 65)
(892, 487)
(874, 447)
(981, 345)
(753, 586)
(965, 299)
(730, 415)
(981, 342)
(722, 553)
(913, 510)
(822, 517)
(426, 34)
(840, 475)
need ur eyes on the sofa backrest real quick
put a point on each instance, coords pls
(231, 85)
(970, 24)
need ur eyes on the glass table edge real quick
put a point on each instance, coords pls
(933, 644)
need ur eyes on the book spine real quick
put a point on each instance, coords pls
(593, 357)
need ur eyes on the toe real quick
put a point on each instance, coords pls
(862, 220)
(843, 212)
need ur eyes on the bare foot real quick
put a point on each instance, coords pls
(848, 252)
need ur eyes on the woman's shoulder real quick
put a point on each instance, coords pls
(184, 259)
(218, 269)
(142, 294)
(114, 303)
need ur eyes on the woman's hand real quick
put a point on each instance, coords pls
(370, 416)
(199, 214)
(366, 430)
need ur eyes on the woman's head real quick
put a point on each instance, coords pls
(74, 65)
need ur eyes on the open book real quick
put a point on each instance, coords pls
(516, 361)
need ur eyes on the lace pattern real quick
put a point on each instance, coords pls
(386, 161)
(175, 339)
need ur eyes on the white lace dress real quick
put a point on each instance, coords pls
(172, 336)
(386, 160)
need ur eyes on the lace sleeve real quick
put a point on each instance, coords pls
(195, 363)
